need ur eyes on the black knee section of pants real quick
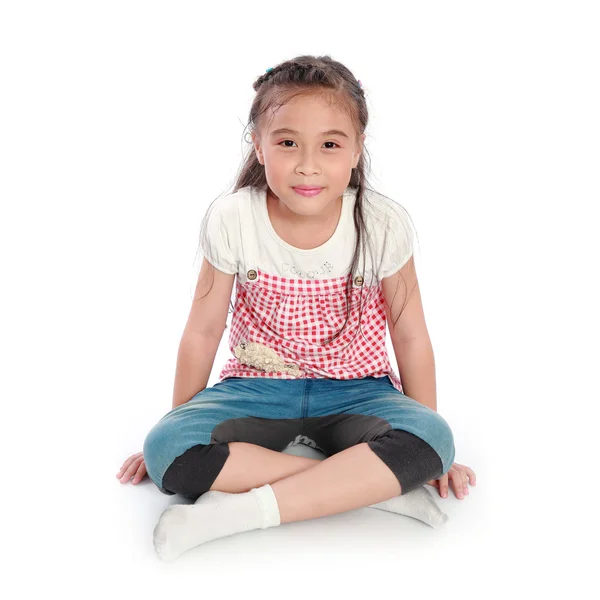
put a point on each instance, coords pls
(412, 460)
(192, 473)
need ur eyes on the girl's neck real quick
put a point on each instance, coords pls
(299, 231)
(283, 213)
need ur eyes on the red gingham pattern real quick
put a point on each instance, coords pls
(294, 317)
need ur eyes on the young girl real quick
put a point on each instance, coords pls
(321, 263)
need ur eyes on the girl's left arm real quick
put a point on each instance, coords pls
(416, 364)
(410, 338)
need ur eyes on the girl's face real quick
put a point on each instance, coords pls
(317, 148)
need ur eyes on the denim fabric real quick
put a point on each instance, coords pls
(280, 410)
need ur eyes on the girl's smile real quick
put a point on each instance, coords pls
(308, 192)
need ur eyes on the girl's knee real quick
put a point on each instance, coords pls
(179, 470)
(155, 450)
(443, 440)
(192, 473)
(412, 460)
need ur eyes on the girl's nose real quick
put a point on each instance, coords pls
(308, 168)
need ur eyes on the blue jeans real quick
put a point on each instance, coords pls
(185, 451)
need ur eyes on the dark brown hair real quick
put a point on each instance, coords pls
(319, 75)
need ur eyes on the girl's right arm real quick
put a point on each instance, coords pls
(203, 332)
(197, 349)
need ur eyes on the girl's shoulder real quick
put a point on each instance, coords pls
(232, 211)
(229, 204)
(390, 227)
(384, 212)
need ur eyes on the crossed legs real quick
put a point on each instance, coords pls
(308, 488)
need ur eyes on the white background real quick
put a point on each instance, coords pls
(121, 121)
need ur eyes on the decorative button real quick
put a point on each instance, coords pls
(252, 274)
(358, 280)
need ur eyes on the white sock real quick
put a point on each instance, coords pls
(418, 504)
(184, 526)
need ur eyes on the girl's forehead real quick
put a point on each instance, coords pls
(309, 114)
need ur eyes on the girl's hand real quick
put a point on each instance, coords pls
(460, 476)
(133, 466)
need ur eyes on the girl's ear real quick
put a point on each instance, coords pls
(257, 148)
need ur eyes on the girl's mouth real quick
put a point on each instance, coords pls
(308, 192)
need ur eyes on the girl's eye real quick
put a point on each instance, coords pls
(284, 141)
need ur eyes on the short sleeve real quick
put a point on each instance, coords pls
(398, 241)
(217, 239)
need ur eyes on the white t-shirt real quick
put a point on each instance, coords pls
(241, 237)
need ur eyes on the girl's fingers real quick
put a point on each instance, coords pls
(461, 479)
(468, 477)
(463, 483)
(127, 475)
(131, 470)
(123, 468)
(125, 465)
(471, 475)
(128, 462)
(459, 475)
(141, 473)
(457, 483)
(443, 485)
